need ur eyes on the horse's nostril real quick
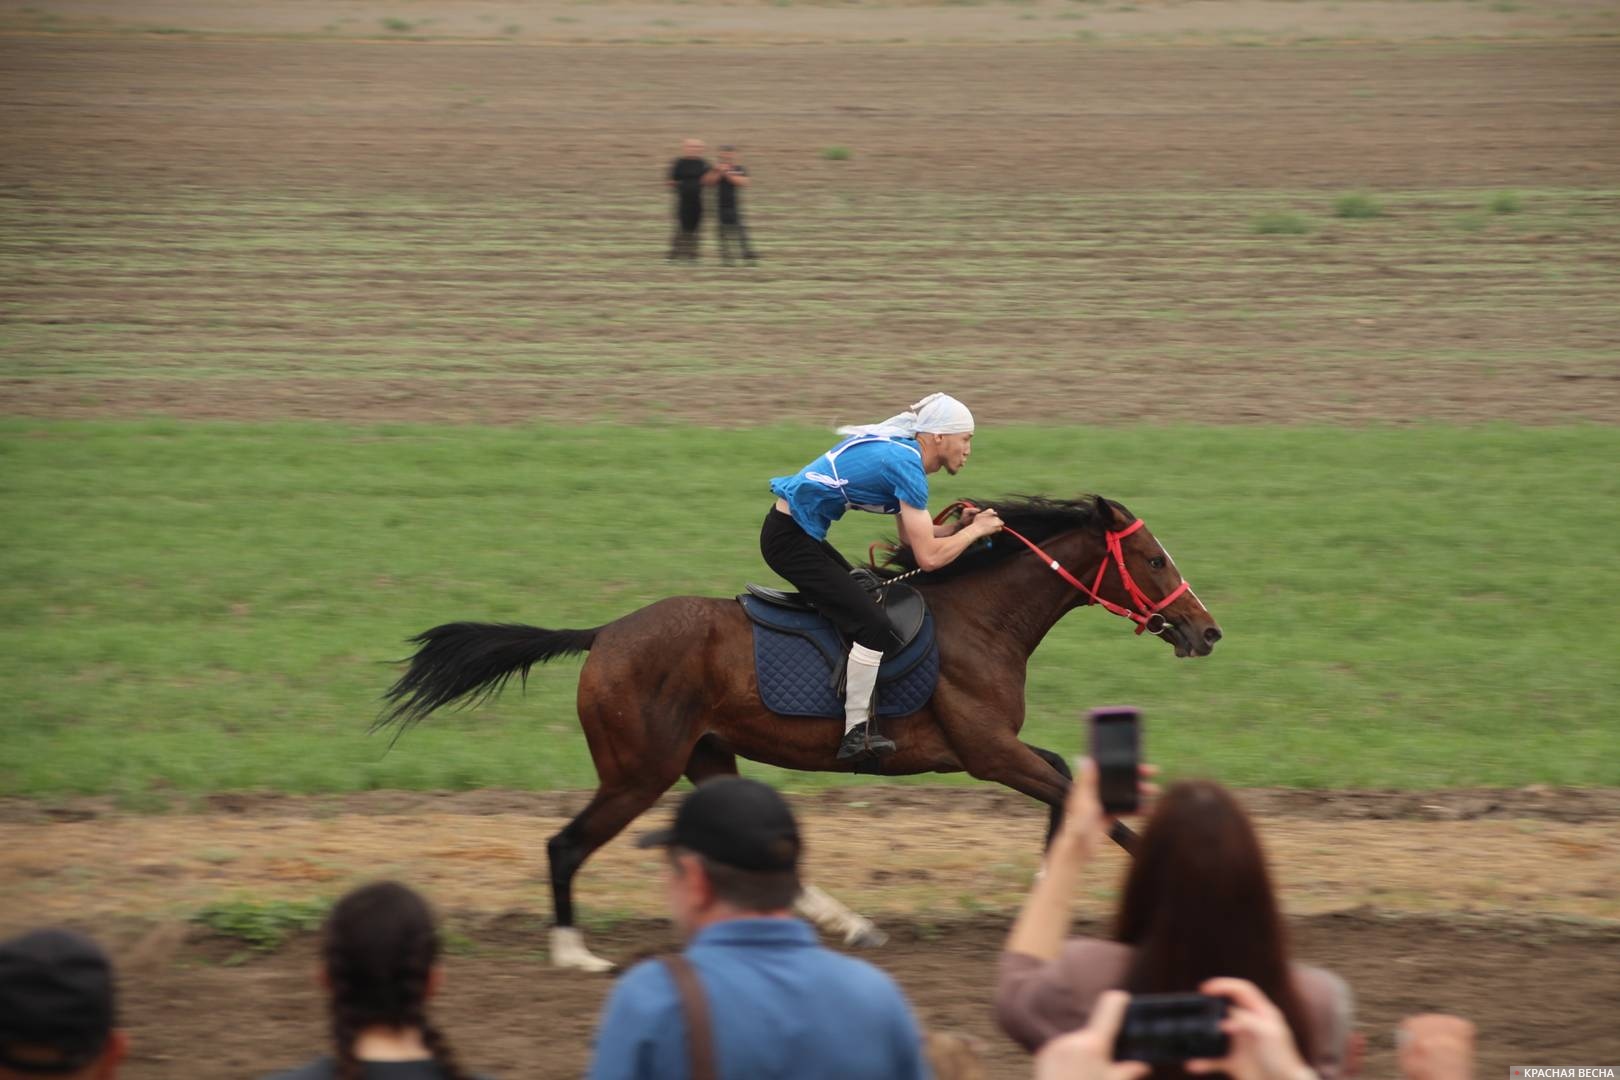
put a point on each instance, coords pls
(1212, 635)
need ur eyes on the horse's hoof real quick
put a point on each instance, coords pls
(865, 937)
(568, 951)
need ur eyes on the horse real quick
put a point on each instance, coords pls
(670, 689)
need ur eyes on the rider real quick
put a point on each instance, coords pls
(881, 468)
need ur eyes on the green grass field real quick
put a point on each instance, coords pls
(196, 607)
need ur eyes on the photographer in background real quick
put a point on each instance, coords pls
(687, 175)
(1198, 904)
(729, 177)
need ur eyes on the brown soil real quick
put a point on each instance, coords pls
(1532, 874)
(367, 231)
(674, 22)
(1539, 992)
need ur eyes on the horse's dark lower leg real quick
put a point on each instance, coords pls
(1054, 810)
(709, 759)
(603, 818)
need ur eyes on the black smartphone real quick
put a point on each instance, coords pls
(1162, 1029)
(1116, 745)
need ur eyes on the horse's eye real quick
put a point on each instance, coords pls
(1157, 562)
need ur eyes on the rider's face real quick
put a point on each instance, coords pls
(952, 451)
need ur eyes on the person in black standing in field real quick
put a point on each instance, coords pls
(686, 177)
(729, 177)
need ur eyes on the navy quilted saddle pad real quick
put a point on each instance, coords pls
(799, 659)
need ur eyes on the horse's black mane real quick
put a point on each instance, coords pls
(1036, 516)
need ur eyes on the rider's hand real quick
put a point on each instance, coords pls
(1262, 1046)
(1088, 1054)
(985, 523)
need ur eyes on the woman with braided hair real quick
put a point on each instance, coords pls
(379, 961)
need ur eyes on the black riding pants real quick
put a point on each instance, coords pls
(817, 570)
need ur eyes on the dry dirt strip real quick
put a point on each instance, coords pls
(893, 853)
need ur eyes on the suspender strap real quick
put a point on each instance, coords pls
(695, 1007)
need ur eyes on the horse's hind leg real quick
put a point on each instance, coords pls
(603, 818)
(638, 754)
(709, 759)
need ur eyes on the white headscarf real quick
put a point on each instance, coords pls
(937, 414)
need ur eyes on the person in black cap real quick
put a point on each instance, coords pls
(56, 1008)
(777, 1002)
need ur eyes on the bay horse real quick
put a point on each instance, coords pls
(670, 689)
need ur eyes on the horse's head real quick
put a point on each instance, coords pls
(1139, 576)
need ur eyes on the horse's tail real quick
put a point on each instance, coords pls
(470, 663)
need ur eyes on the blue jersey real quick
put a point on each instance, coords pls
(864, 472)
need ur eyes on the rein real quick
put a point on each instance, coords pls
(1148, 618)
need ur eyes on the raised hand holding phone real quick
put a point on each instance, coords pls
(1116, 745)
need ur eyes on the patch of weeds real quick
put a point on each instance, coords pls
(604, 920)
(457, 943)
(781, 3)
(1281, 223)
(1471, 222)
(219, 856)
(1358, 205)
(167, 30)
(395, 25)
(1085, 35)
(564, 19)
(145, 801)
(836, 153)
(262, 926)
(1504, 202)
(1506, 6)
(512, 29)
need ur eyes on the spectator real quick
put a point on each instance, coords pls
(379, 961)
(729, 177)
(766, 999)
(1433, 1046)
(56, 1009)
(686, 174)
(1197, 904)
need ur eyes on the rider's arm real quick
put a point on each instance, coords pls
(962, 522)
(933, 551)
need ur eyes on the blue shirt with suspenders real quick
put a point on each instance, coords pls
(780, 1005)
(875, 473)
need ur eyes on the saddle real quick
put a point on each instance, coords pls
(799, 657)
(904, 606)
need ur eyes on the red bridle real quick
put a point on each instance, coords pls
(1146, 614)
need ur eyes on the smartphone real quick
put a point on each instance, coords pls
(1116, 746)
(1163, 1029)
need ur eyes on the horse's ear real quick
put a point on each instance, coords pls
(1105, 511)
